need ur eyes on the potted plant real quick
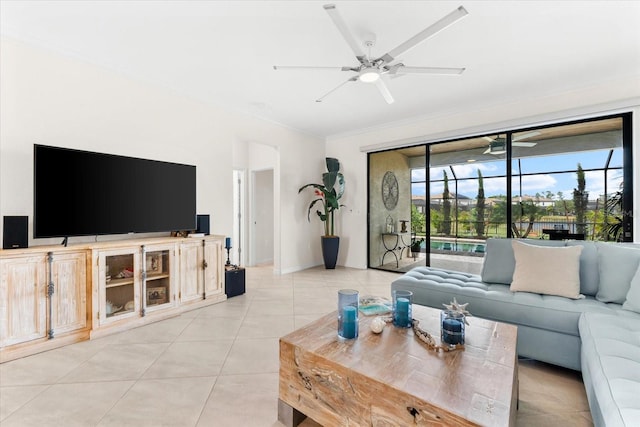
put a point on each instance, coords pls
(328, 196)
(416, 247)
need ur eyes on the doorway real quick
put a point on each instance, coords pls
(262, 220)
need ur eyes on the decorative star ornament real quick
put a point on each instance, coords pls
(459, 308)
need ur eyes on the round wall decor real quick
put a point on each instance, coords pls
(390, 190)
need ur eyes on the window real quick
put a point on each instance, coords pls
(552, 182)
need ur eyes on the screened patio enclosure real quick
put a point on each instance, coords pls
(436, 204)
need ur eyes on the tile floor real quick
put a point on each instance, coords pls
(218, 366)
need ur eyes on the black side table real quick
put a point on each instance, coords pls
(234, 282)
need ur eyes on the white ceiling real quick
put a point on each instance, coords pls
(223, 52)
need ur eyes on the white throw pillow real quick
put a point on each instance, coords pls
(546, 270)
(633, 297)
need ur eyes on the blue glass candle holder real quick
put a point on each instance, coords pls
(452, 327)
(348, 314)
(402, 311)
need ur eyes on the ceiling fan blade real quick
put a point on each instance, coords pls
(384, 91)
(402, 69)
(524, 144)
(526, 135)
(425, 34)
(310, 67)
(344, 30)
(396, 76)
(352, 79)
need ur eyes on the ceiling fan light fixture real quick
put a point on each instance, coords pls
(369, 75)
(498, 146)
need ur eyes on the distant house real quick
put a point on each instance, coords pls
(462, 200)
(536, 200)
(437, 199)
(466, 202)
(419, 202)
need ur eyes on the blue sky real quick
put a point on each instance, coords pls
(540, 183)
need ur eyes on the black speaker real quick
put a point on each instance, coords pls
(203, 224)
(15, 232)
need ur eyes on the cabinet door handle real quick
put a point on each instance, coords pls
(204, 264)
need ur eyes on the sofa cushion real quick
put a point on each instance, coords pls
(589, 272)
(611, 367)
(499, 262)
(549, 271)
(617, 265)
(633, 296)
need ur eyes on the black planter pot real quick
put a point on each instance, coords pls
(330, 246)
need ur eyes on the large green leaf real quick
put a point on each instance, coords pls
(333, 165)
(329, 179)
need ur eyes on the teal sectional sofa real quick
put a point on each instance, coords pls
(593, 328)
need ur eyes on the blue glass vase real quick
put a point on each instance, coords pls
(452, 327)
(402, 308)
(348, 314)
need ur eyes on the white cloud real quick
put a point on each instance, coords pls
(418, 174)
(532, 184)
(594, 183)
(470, 170)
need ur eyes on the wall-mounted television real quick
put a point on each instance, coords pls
(83, 193)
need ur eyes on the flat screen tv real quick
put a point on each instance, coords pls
(82, 193)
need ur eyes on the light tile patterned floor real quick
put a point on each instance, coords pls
(218, 366)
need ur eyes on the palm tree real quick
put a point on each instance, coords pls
(580, 200)
(480, 207)
(614, 216)
(530, 211)
(446, 206)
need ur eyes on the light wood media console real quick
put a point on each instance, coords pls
(52, 296)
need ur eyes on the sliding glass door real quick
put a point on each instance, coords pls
(468, 187)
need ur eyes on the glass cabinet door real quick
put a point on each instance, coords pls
(157, 275)
(119, 285)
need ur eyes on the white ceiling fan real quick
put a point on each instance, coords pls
(370, 69)
(498, 145)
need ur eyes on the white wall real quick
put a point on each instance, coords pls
(608, 98)
(50, 99)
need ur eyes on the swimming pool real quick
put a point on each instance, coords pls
(439, 245)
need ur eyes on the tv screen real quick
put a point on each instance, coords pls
(82, 193)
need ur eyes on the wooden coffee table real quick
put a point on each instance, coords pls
(392, 379)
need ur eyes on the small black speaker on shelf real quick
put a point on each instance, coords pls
(15, 232)
(203, 224)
